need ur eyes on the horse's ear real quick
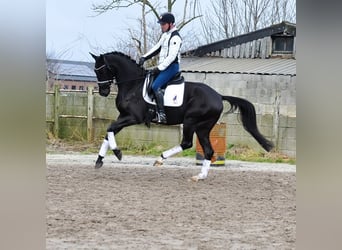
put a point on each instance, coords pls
(95, 57)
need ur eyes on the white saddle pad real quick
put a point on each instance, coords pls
(173, 96)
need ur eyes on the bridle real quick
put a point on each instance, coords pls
(107, 83)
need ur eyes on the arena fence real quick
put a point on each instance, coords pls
(85, 115)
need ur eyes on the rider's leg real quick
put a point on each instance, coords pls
(160, 81)
(161, 117)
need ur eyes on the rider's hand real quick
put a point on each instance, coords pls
(141, 61)
(155, 71)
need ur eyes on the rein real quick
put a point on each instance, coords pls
(108, 82)
(139, 78)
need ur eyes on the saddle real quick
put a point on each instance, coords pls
(173, 91)
(177, 79)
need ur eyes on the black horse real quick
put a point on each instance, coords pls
(199, 112)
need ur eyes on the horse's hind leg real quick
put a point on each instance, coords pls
(203, 138)
(188, 133)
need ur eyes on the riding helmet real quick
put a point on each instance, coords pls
(166, 18)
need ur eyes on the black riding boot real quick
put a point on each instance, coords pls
(160, 116)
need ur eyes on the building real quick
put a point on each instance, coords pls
(70, 75)
(259, 66)
(278, 40)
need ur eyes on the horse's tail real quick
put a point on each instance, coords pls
(248, 118)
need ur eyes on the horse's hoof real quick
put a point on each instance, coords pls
(197, 178)
(117, 153)
(158, 163)
(194, 178)
(98, 164)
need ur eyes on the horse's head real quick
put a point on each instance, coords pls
(104, 74)
(118, 66)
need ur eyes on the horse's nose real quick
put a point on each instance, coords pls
(104, 92)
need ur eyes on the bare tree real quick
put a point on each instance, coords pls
(254, 12)
(142, 37)
(283, 10)
(221, 20)
(228, 18)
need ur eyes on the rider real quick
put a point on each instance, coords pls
(168, 48)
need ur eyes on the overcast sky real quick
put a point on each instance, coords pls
(72, 29)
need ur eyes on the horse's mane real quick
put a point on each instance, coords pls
(118, 53)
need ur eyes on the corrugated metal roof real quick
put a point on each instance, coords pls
(66, 67)
(75, 70)
(272, 66)
(72, 70)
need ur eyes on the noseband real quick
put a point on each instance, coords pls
(105, 83)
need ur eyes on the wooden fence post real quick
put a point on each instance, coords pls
(90, 113)
(56, 111)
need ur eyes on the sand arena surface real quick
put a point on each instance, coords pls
(133, 205)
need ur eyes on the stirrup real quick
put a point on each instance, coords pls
(160, 118)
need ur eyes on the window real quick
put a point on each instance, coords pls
(73, 87)
(81, 87)
(65, 87)
(282, 44)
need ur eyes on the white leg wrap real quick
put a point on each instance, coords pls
(172, 151)
(205, 169)
(104, 148)
(111, 140)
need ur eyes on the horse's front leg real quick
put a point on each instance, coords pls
(109, 142)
